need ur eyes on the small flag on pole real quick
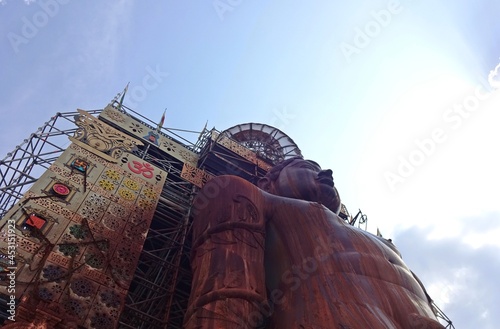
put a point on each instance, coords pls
(162, 120)
(123, 96)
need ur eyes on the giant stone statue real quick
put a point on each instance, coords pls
(279, 256)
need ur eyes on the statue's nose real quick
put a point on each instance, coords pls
(326, 173)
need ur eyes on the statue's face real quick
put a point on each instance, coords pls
(305, 180)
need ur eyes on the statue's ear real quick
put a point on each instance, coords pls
(265, 184)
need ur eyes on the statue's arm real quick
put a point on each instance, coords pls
(228, 289)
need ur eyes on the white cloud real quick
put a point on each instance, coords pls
(447, 289)
(461, 279)
(494, 77)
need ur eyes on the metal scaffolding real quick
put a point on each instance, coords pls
(160, 289)
(22, 167)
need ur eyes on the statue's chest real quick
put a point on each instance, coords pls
(304, 230)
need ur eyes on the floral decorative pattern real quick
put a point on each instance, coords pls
(78, 231)
(149, 193)
(89, 212)
(57, 289)
(101, 321)
(97, 201)
(112, 174)
(112, 223)
(69, 250)
(106, 185)
(170, 147)
(114, 115)
(53, 273)
(137, 128)
(117, 210)
(82, 287)
(126, 194)
(133, 185)
(45, 294)
(145, 204)
(188, 156)
(73, 306)
(94, 260)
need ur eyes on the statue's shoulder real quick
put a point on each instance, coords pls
(231, 180)
(226, 199)
(227, 187)
(230, 183)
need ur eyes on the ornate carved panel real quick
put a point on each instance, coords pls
(194, 175)
(101, 139)
(144, 132)
(237, 148)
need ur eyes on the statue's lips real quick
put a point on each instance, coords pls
(325, 180)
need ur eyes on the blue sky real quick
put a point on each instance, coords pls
(393, 96)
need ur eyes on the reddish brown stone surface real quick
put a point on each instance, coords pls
(274, 260)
